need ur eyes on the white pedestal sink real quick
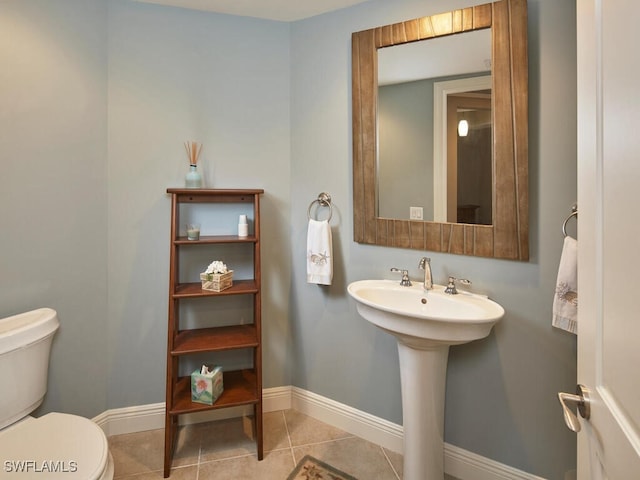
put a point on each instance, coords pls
(425, 324)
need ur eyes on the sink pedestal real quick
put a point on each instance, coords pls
(423, 376)
(425, 324)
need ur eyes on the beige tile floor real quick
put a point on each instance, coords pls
(224, 450)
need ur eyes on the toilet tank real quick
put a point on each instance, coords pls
(25, 343)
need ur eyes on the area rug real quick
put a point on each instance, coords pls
(310, 468)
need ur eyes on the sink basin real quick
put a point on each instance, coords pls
(420, 317)
(425, 324)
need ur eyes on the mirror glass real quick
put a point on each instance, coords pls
(412, 98)
(474, 204)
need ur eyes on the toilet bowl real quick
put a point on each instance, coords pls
(55, 445)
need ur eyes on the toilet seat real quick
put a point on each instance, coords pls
(56, 445)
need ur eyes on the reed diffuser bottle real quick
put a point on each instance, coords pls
(193, 178)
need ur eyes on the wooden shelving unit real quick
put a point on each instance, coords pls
(241, 387)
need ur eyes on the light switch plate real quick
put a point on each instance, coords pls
(415, 213)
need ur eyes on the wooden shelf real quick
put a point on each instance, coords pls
(205, 195)
(239, 287)
(221, 194)
(215, 239)
(239, 389)
(215, 339)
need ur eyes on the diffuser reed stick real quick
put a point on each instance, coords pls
(193, 151)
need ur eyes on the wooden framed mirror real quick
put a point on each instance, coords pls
(508, 234)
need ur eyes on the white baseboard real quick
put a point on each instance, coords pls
(276, 399)
(119, 421)
(458, 462)
(374, 429)
(463, 464)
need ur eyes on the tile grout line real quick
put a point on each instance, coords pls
(286, 427)
(199, 456)
(233, 457)
(323, 442)
(389, 462)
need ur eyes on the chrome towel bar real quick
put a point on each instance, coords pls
(323, 200)
(574, 213)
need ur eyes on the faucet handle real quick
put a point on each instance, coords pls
(451, 287)
(405, 282)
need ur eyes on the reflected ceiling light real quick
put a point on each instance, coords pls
(463, 128)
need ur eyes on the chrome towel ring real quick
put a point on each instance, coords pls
(574, 213)
(323, 200)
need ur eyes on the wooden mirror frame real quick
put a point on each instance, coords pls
(508, 236)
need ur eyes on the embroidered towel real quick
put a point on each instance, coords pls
(565, 300)
(319, 253)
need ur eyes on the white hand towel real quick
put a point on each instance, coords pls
(565, 300)
(319, 253)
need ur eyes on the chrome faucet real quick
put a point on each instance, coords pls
(425, 264)
(405, 282)
(451, 288)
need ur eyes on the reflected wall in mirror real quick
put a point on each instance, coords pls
(503, 233)
(413, 156)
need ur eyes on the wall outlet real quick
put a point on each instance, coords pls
(415, 213)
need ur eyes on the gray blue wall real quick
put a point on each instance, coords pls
(501, 392)
(177, 75)
(96, 99)
(405, 149)
(53, 185)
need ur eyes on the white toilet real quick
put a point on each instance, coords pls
(55, 445)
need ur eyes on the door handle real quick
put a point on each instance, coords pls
(581, 400)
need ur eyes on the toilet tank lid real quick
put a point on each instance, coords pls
(23, 329)
(55, 444)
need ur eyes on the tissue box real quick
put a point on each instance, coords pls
(216, 282)
(206, 388)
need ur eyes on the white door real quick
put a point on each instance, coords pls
(608, 237)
